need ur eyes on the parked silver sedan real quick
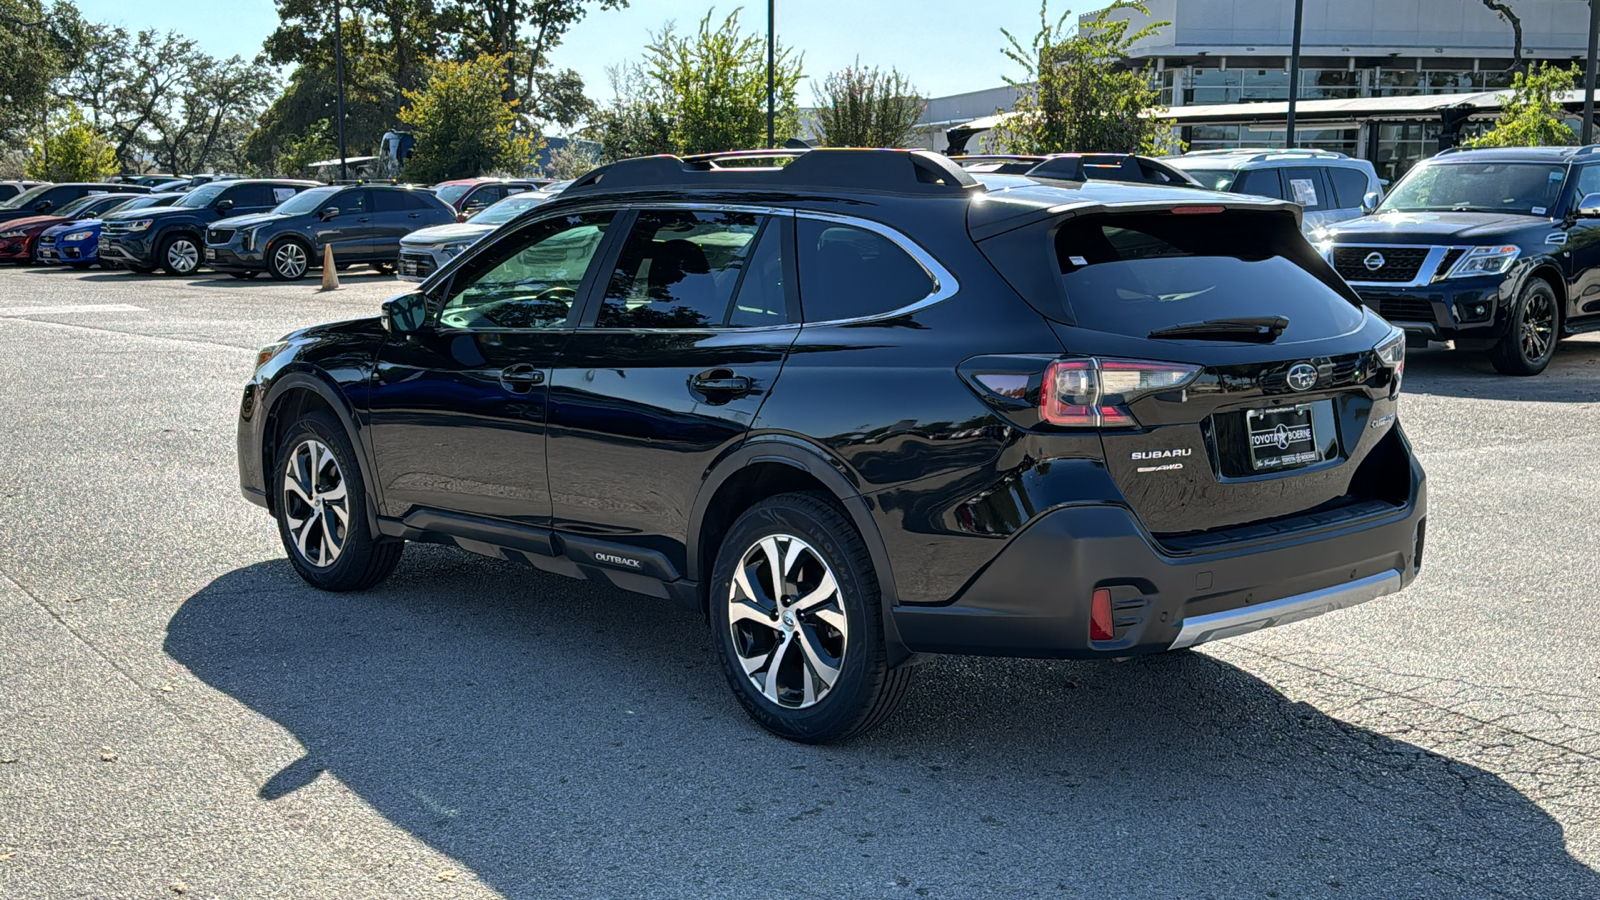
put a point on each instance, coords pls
(425, 250)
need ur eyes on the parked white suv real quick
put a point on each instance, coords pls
(1332, 187)
(424, 250)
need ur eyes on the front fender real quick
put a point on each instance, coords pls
(306, 377)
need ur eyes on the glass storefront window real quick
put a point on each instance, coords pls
(1265, 84)
(1208, 86)
(1329, 84)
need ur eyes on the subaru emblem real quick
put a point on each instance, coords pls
(1374, 261)
(1302, 377)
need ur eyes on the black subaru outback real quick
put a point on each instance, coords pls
(1497, 250)
(862, 407)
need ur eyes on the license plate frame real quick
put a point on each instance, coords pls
(1282, 437)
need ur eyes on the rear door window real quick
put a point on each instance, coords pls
(1134, 274)
(847, 272)
(1307, 188)
(1260, 182)
(1349, 186)
(388, 201)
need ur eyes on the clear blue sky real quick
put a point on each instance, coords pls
(944, 46)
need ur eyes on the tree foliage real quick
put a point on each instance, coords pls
(463, 123)
(73, 150)
(859, 107)
(697, 93)
(37, 47)
(1076, 96)
(1531, 117)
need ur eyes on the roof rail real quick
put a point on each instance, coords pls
(1070, 166)
(891, 171)
(1586, 150)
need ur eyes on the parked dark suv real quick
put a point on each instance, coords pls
(861, 407)
(362, 222)
(173, 238)
(1497, 250)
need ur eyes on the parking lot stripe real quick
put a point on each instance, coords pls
(60, 310)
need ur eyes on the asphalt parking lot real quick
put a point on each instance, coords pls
(181, 716)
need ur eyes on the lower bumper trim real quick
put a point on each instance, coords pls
(1233, 622)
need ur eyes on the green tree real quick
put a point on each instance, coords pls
(463, 123)
(635, 122)
(859, 107)
(1531, 117)
(36, 49)
(571, 160)
(1076, 95)
(712, 87)
(72, 151)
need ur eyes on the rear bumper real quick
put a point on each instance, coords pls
(1034, 598)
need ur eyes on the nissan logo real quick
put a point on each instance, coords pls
(1374, 261)
(1301, 377)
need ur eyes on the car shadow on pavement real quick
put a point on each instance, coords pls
(1573, 375)
(561, 739)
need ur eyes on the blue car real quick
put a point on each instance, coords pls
(77, 244)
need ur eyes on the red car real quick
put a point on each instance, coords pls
(468, 196)
(18, 236)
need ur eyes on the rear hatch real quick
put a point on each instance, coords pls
(1236, 382)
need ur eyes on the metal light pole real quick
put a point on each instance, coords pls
(338, 76)
(1588, 74)
(1294, 73)
(771, 139)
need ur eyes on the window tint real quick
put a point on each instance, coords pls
(1349, 186)
(528, 280)
(389, 201)
(848, 272)
(250, 196)
(679, 269)
(761, 299)
(1307, 188)
(1260, 182)
(483, 198)
(1133, 274)
(1588, 181)
(416, 200)
(351, 203)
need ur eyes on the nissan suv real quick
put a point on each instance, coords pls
(1496, 250)
(862, 407)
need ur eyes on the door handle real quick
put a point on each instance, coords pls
(364, 219)
(722, 383)
(414, 216)
(520, 378)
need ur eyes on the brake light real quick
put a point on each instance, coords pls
(1196, 210)
(1100, 625)
(1095, 393)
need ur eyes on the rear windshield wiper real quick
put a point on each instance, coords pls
(1260, 328)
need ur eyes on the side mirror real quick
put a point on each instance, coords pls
(404, 314)
(328, 212)
(1370, 201)
(1589, 207)
(224, 205)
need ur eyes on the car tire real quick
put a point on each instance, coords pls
(320, 503)
(777, 652)
(243, 276)
(81, 266)
(384, 268)
(179, 254)
(1530, 340)
(288, 260)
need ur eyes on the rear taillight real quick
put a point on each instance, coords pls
(1392, 353)
(1095, 393)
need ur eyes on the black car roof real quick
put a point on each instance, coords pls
(1520, 154)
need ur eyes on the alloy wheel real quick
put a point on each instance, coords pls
(1538, 326)
(787, 618)
(183, 256)
(316, 503)
(291, 260)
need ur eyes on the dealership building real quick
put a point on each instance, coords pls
(1385, 80)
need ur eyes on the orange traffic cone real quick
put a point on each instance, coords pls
(330, 272)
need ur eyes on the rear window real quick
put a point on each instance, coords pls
(1134, 274)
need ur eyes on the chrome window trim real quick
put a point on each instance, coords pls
(945, 285)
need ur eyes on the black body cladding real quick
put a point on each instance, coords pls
(626, 453)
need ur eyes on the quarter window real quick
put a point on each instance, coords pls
(848, 272)
(528, 280)
(683, 268)
(1349, 186)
